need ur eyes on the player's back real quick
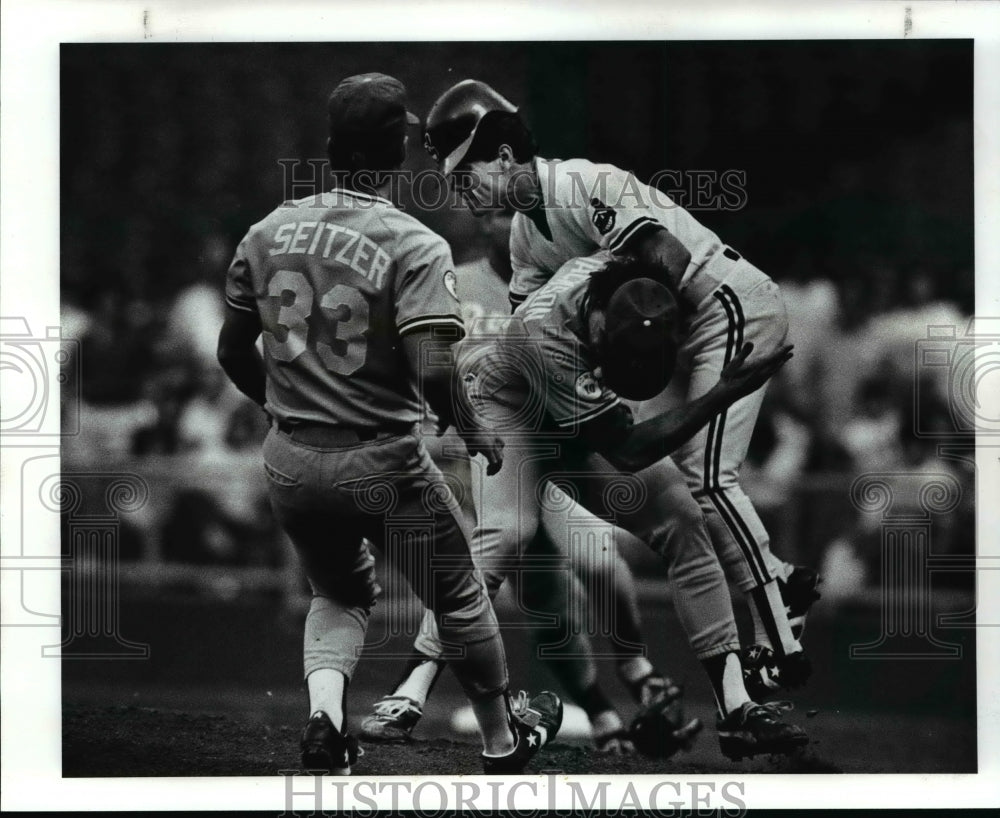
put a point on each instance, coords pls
(337, 279)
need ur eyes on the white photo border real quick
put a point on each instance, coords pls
(29, 140)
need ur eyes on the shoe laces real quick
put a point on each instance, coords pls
(393, 707)
(519, 703)
(521, 710)
(772, 711)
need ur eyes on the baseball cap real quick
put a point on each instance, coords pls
(455, 117)
(366, 107)
(639, 352)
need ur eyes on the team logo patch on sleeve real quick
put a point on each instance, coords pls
(587, 387)
(603, 218)
(451, 283)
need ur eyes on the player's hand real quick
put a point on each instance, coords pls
(487, 444)
(740, 378)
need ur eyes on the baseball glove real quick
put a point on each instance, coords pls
(660, 728)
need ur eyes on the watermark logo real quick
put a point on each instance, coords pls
(906, 503)
(89, 506)
(602, 192)
(41, 384)
(552, 793)
(960, 368)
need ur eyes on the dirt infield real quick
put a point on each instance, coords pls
(221, 695)
(138, 741)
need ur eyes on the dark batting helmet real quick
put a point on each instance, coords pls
(454, 119)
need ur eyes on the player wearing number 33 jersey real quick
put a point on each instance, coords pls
(349, 295)
(337, 278)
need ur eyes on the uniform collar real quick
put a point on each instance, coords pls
(361, 197)
(538, 214)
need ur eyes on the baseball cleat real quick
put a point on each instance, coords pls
(535, 723)
(660, 728)
(798, 592)
(609, 734)
(392, 720)
(764, 673)
(325, 749)
(757, 728)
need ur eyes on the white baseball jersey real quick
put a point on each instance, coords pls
(588, 207)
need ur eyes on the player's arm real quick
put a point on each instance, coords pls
(625, 222)
(430, 353)
(660, 247)
(238, 355)
(633, 446)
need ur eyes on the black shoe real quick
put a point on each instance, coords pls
(798, 592)
(534, 723)
(660, 728)
(757, 728)
(764, 673)
(324, 749)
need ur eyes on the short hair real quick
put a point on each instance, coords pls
(619, 270)
(377, 155)
(498, 128)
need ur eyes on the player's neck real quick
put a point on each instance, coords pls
(526, 192)
(368, 184)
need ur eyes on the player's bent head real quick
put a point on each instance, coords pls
(633, 320)
(368, 124)
(469, 122)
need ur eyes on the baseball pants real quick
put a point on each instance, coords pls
(329, 500)
(655, 505)
(568, 576)
(737, 303)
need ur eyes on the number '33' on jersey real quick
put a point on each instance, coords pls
(337, 280)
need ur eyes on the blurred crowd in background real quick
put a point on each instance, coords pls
(859, 202)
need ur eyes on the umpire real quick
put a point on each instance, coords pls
(351, 296)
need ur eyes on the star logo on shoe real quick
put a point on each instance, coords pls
(532, 739)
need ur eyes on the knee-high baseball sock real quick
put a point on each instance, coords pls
(493, 715)
(635, 668)
(726, 675)
(770, 620)
(419, 677)
(328, 692)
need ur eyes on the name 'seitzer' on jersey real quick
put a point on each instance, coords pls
(337, 280)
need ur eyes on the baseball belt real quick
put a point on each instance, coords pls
(328, 436)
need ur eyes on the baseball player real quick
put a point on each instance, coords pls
(349, 293)
(553, 385)
(567, 209)
(482, 291)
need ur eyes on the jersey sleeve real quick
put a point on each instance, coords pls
(572, 401)
(239, 283)
(526, 275)
(572, 393)
(617, 208)
(426, 288)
